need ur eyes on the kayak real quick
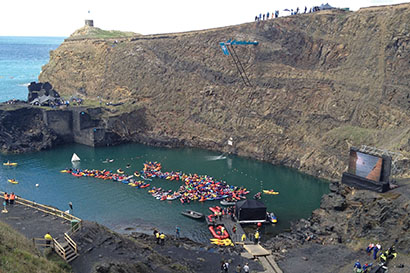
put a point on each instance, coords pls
(270, 192)
(8, 163)
(12, 181)
(224, 242)
(192, 214)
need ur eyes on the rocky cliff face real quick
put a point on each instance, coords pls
(354, 217)
(321, 82)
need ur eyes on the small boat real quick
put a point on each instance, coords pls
(75, 158)
(13, 181)
(120, 171)
(218, 232)
(227, 202)
(271, 217)
(270, 192)
(193, 214)
(8, 163)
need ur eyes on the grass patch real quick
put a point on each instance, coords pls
(354, 134)
(95, 32)
(17, 254)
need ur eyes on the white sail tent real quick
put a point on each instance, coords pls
(75, 158)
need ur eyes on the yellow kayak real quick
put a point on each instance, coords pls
(8, 163)
(225, 242)
(270, 192)
(12, 181)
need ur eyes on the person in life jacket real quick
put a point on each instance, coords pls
(12, 198)
(388, 255)
(6, 198)
(48, 239)
(243, 238)
(366, 266)
(369, 248)
(162, 237)
(256, 237)
(157, 235)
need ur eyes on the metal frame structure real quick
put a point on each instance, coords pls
(228, 49)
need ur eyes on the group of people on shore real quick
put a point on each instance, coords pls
(384, 258)
(8, 200)
(159, 237)
(225, 267)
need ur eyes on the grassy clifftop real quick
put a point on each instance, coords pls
(17, 254)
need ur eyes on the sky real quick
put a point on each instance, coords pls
(63, 17)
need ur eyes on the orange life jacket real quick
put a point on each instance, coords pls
(6, 197)
(12, 196)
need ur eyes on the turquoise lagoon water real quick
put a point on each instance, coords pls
(119, 206)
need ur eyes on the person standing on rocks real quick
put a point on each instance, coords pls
(222, 266)
(238, 269)
(162, 238)
(376, 249)
(226, 266)
(246, 268)
(177, 231)
(157, 237)
(369, 248)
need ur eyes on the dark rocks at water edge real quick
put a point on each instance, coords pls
(105, 251)
(347, 216)
(43, 94)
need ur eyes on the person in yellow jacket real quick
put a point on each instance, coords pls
(256, 237)
(243, 238)
(157, 236)
(48, 239)
(162, 237)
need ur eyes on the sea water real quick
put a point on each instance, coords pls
(21, 59)
(120, 206)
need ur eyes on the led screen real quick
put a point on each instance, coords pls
(365, 165)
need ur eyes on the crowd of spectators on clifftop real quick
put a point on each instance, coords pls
(287, 12)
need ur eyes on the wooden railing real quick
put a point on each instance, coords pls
(42, 242)
(71, 242)
(43, 208)
(59, 249)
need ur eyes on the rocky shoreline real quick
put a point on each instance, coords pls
(346, 222)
